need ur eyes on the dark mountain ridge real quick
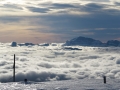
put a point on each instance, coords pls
(84, 41)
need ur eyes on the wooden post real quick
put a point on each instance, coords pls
(14, 69)
(104, 78)
(25, 80)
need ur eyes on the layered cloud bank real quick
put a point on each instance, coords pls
(48, 63)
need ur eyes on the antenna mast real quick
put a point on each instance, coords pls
(14, 69)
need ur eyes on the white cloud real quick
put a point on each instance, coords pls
(54, 63)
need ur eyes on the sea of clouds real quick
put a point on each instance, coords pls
(54, 62)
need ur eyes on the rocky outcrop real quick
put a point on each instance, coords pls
(83, 41)
(14, 44)
(115, 43)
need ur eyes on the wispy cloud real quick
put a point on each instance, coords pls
(11, 6)
(39, 10)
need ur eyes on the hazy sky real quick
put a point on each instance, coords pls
(40, 21)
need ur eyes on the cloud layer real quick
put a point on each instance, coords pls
(40, 63)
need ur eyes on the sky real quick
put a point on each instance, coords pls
(41, 21)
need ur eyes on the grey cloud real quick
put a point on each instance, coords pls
(117, 3)
(39, 10)
(62, 6)
(13, 6)
(98, 0)
(90, 21)
(9, 19)
(112, 11)
(94, 5)
(95, 8)
(88, 8)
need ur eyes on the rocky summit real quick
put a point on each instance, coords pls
(84, 41)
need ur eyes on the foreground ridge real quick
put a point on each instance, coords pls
(82, 84)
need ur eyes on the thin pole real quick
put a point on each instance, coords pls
(14, 69)
(104, 79)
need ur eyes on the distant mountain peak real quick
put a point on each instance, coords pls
(85, 41)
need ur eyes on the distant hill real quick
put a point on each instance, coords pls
(84, 41)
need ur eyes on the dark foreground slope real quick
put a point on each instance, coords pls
(82, 84)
